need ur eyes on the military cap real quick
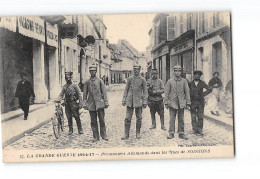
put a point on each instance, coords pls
(93, 67)
(69, 73)
(216, 73)
(177, 67)
(197, 72)
(154, 71)
(136, 65)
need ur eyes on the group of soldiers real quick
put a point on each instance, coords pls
(138, 94)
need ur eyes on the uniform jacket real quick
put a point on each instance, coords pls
(196, 92)
(135, 94)
(71, 93)
(157, 87)
(177, 93)
(94, 92)
(24, 90)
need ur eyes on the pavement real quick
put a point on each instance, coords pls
(36, 132)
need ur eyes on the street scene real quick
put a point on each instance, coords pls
(43, 138)
(110, 81)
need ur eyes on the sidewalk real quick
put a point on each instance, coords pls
(15, 127)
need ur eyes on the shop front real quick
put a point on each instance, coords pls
(182, 53)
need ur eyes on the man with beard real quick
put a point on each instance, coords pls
(198, 102)
(23, 92)
(135, 98)
(155, 99)
(95, 98)
(72, 102)
(177, 96)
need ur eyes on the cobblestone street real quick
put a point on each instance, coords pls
(43, 138)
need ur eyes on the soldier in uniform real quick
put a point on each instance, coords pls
(135, 98)
(73, 102)
(155, 99)
(177, 96)
(95, 98)
(23, 92)
(198, 102)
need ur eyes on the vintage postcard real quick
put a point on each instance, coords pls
(116, 87)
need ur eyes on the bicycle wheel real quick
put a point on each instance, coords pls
(56, 127)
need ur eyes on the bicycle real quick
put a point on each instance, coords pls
(58, 119)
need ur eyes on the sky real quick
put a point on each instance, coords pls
(132, 27)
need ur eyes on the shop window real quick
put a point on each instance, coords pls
(181, 24)
(171, 27)
(189, 21)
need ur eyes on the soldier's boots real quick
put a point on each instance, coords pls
(182, 136)
(153, 126)
(162, 121)
(138, 129)
(80, 131)
(163, 127)
(127, 129)
(171, 136)
(70, 130)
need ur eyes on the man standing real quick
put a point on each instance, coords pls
(198, 102)
(213, 100)
(135, 98)
(155, 99)
(95, 98)
(23, 92)
(73, 102)
(177, 96)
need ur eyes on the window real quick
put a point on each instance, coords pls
(215, 22)
(171, 27)
(156, 34)
(181, 24)
(203, 23)
(189, 21)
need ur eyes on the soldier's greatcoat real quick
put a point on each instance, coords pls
(135, 94)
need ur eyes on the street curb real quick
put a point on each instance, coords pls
(227, 126)
(19, 136)
(21, 114)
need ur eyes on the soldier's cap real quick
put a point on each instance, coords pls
(198, 72)
(69, 73)
(93, 67)
(136, 65)
(154, 71)
(177, 67)
(216, 73)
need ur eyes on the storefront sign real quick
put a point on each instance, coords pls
(52, 34)
(31, 27)
(161, 51)
(69, 30)
(8, 23)
(182, 47)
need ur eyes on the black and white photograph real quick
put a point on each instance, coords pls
(117, 86)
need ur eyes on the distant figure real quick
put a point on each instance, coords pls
(23, 92)
(216, 84)
(104, 79)
(107, 82)
(228, 90)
